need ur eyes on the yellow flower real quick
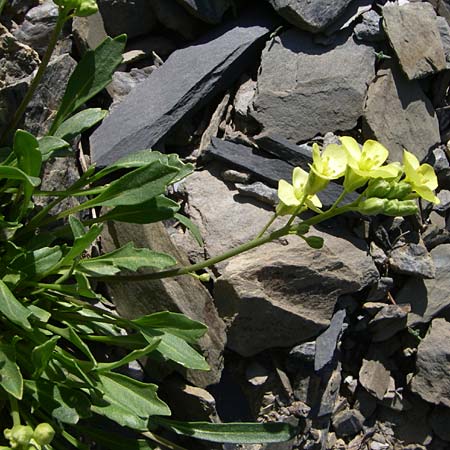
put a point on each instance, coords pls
(366, 163)
(292, 196)
(326, 166)
(422, 178)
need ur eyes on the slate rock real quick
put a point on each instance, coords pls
(260, 191)
(187, 80)
(413, 33)
(348, 422)
(374, 377)
(244, 96)
(439, 420)
(180, 294)
(319, 88)
(388, 321)
(380, 290)
(370, 29)
(301, 354)
(444, 31)
(432, 380)
(210, 11)
(429, 298)
(89, 32)
(399, 115)
(132, 17)
(288, 292)
(444, 197)
(412, 259)
(311, 16)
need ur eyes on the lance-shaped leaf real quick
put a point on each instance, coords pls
(41, 355)
(92, 74)
(80, 122)
(13, 173)
(126, 257)
(136, 187)
(191, 226)
(38, 262)
(26, 148)
(12, 309)
(10, 376)
(233, 433)
(128, 402)
(52, 146)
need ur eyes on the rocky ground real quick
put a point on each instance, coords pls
(351, 342)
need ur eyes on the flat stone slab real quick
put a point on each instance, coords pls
(210, 11)
(187, 80)
(306, 89)
(414, 35)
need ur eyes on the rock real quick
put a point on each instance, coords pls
(432, 380)
(173, 16)
(267, 169)
(399, 115)
(370, 29)
(365, 403)
(270, 291)
(301, 354)
(348, 423)
(428, 298)
(235, 176)
(186, 81)
(381, 289)
(327, 342)
(210, 11)
(388, 321)
(256, 374)
(311, 16)
(244, 96)
(412, 259)
(89, 32)
(132, 17)
(124, 82)
(444, 31)
(374, 377)
(439, 420)
(444, 197)
(413, 33)
(260, 191)
(438, 159)
(180, 294)
(20, 7)
(315, 80)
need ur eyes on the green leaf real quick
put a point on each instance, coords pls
(40, 356)
(38, 262)
(176, 349)
(50, 146)
(114, 441)
(191, 227)
(129, 402)
(13, 173)
(12, 309)
(174, 323)
(80, 122)
(79, 343)
(126, 257)
(155, 210)
(26, 148)
(233, 433)
(136, 187)
(92, 74)
(10, 377)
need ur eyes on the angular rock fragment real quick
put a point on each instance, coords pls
(413, 33)
(348, 423)
(412, 259)
(388, 321)
(432, 380)
(305, 89)
(374, 378)
(399, 115)
(444, 31)
(307, 15)
(370, 29)
(210, 11)
(439, 420)
(186, 81)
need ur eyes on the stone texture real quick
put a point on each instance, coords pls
(432, 380)
(399, 115)
(89, 32)
(444, 31)
(429, 298)
(312, 16)
(259, 191)
(288, 292)
(388, 321)
(412, 259)
(186, 81)
(210, 11)
(180, 294)
(370, 29)
(374, 378)
(413, 33)
(320, 88)
(348, 423)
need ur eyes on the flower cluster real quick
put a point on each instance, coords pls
(387, 188)
(24, 437)
(81, 8)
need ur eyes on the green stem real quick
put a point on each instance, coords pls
(267, 226)
(2, 5)
(37, 79)
(297, 211)
(14, 410)
(162, 441)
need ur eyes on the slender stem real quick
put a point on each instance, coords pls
(2, 5)
(267, 226)
(297, 211)
(162, 441)
(14, 410)
(37, 79)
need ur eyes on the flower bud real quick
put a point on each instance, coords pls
(378, 188)
(400, 190)
(284, 210)
(86, 8)
(204, 277)
(301, 229)
(315, 242)
(401, 207)
(372, 206)
(43, 434)
(20, 435)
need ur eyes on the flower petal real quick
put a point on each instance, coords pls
(352, 148)
(317, 159)
(286, 194)
(427, 194)
(429, 178)
(299, 178)
(387, 171)
(412, 165)
(375, 151)
(337, 157)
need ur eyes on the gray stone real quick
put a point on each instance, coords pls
(311, 16)
(444, 31)
(374, 378)
(381, 289)
(428, 298)
(444, 197)
(438, 159)
(432, 380)
(210, 11)
(388, 321)
(370, 29)
(413, 33)
(271, 291)
(439, 421)
(244, 96)
(301, 354)
(399, 115)
(235, 176)
(186, 81)
(124, 82)
(260, 191)
(132, 17)
(20, 7)
(295, 102)
(348, 423)
(412, 259)
(89, 32)
(180, 294)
